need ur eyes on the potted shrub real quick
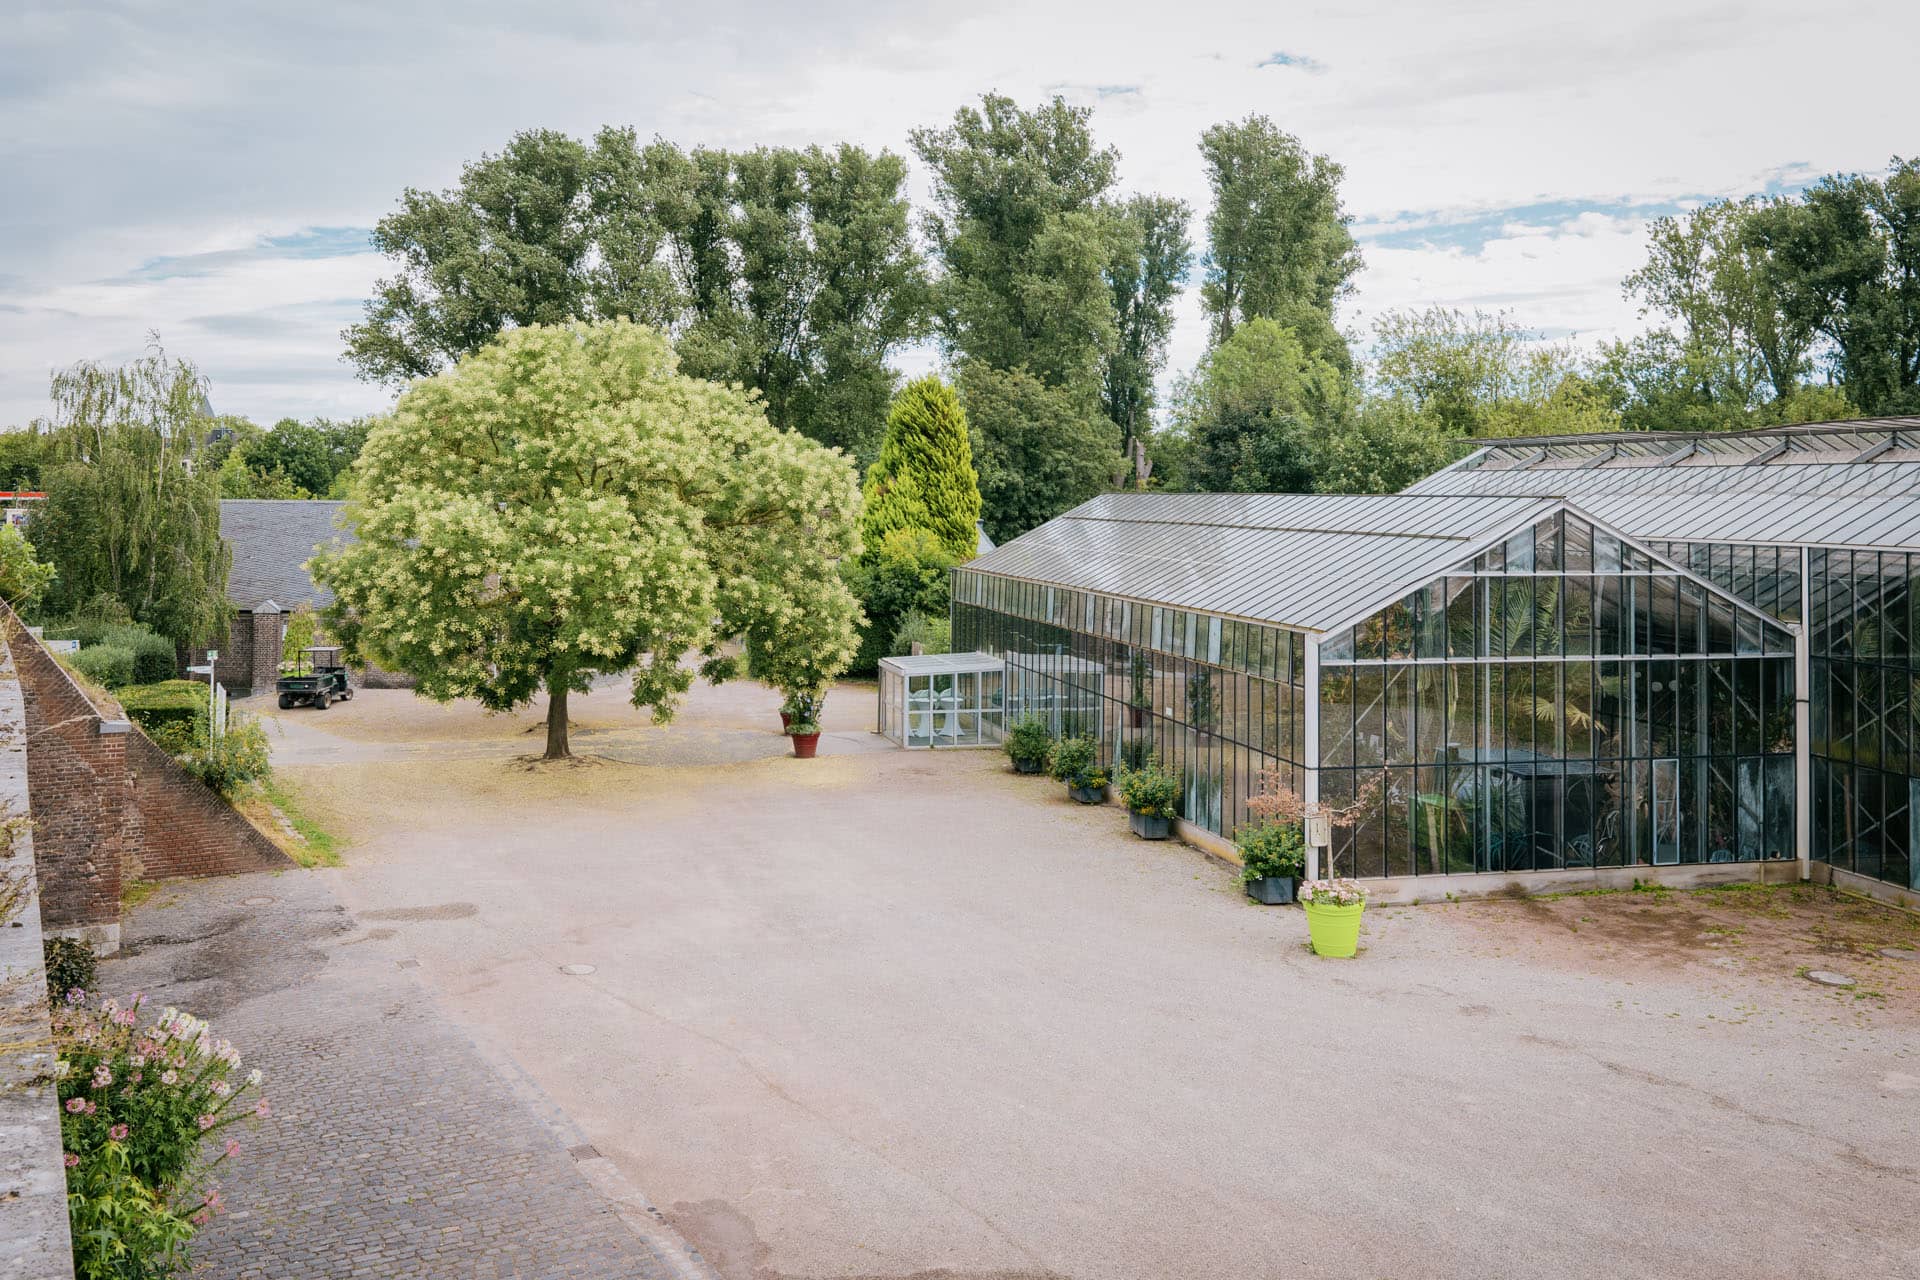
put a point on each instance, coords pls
(1076, 762)
(806, 738)
(1028, 744)
(1153, 797)
(1273, 856)
(1333, 910)
(1140, 700)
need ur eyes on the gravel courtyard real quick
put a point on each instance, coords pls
(903, 1015)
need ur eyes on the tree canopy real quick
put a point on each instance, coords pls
(1278, 244)
(1039, 450)
(789, 271)
(1152, 255)
(564, 503)
(924, 478)
(127, 516)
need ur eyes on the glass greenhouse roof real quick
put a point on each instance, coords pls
(1834, 484)
(1310, 562)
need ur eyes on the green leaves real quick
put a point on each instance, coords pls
(924, 477)
(565, 502)
(788, 271)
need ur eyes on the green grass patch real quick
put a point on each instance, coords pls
(312, 845)
(135, 892)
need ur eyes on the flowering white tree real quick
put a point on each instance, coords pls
(565, 503)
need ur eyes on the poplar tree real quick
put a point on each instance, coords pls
(924, 477)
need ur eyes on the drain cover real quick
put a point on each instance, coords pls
(1828, 978)
(257, 900)
(1900, 953)
(577, 970)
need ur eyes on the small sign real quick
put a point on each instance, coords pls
(213, 655)
(1319, 830)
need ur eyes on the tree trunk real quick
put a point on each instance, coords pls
(557, 748)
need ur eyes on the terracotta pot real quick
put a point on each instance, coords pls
(786, 722)
(805, 744)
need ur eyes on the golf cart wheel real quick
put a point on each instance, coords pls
(321, 701)
(286, 702)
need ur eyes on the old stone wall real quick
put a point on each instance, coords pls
(33, 1186)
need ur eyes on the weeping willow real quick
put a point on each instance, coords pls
(128, 522)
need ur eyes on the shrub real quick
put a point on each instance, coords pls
(136, 1104)
(933, 635)
(170, 702)
(237, 758)
(907, 572)
(1135, 753)
(1028, 741)
(1270, 849)
(153, 656)
(105, 665)
(23, 579)
(70, 966)
(1151, 791)
(1076, 762)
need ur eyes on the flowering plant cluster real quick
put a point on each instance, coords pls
(140, 1100)
(1333, 893)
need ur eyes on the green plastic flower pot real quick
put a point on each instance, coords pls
(1334, 931)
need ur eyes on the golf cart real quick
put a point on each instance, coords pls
(319, 681)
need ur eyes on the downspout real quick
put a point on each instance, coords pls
(1803, 725)
(1311, 765)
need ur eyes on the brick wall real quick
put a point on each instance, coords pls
(78, 787)
(249, 656)
(108, 804)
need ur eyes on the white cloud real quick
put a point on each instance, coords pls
(1498, 154)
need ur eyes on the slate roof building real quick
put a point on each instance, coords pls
(1476, 684)
(271, 540)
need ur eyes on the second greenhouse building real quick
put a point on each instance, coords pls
(1492, 683)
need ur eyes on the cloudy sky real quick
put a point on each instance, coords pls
(210, 170)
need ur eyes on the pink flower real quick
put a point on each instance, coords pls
(91, 1108)
(206, 1121)
(102, 1077)
(76, 995)
(169, 1076)
(233, 1147)
(263, 1110)
(73, 1160)
(76, 1105)
(118, 1133)
(200, 1218)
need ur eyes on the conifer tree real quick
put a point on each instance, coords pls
(924, 476)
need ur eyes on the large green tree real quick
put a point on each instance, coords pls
(1845, 260)
(127, 515)
(1278, 243)
(566, 503)
(1019, 227)
(1152, 255)
(790, 271)
(1039, 450)
(924, 476)
(1253, 408)
(1485, 375)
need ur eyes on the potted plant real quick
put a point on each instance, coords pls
(806, 738)
(1273, 856)
(1140, 700)
(1076, 762)
(794, 708)
(1028, 744)
(1333, 910)
(1153, 797)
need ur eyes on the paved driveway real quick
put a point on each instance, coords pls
(904, 1015)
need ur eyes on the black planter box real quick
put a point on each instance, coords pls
(1088, 795)
(1149, 828)
(1275, 891)
(1029, 766)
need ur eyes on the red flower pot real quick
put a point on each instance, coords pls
(805, 744)
(786, 721)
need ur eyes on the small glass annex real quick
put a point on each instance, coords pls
(942, 700)
(1472, 684)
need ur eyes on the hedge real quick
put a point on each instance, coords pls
(105, 665)
(182, 702)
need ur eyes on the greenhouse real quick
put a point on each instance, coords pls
(1817, 526)
(1467, 683)
(942, 700)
